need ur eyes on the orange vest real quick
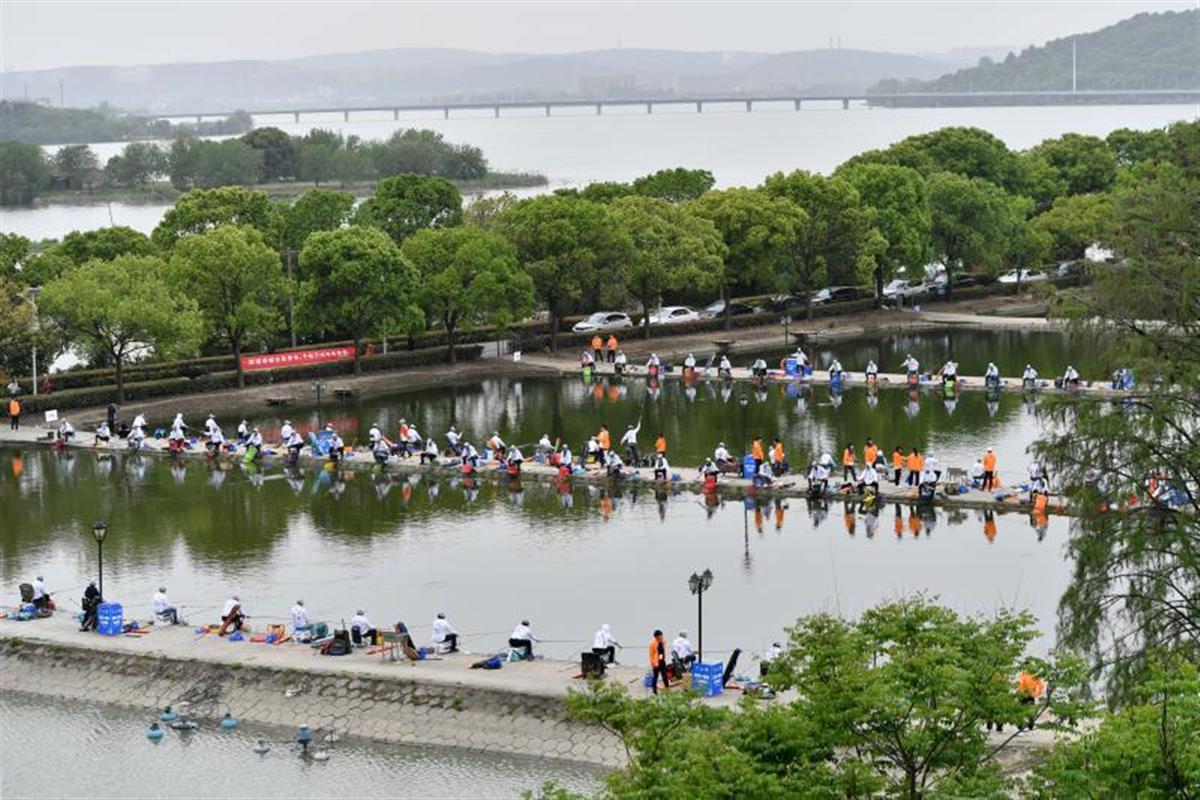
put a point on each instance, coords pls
(660, 445)
(847, 457)
(14, 408)
(604, 440)
(654, 660)
(915, 462)
(779, 451)
(756, 450)
(869, 453)
(597, 342)
(989, 461)
(1040, 502)
(612, 343)
(897, 460)
(1029, 685)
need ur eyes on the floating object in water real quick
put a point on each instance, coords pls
(228, 722)
(261, 747)
(320, 755)
(155, 733)
(185, 725)
(168, 715)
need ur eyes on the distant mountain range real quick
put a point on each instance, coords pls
(1146, 51)
(447, 75)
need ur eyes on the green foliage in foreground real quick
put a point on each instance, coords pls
(891, 705)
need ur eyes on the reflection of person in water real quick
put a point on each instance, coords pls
(1040, 523)
(898, 523)
(989, 525)
(848, 519)
(779, 509)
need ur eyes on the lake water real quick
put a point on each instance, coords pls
(110, 756)
(574, 146)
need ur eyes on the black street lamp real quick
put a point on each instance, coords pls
(100, 530)
(698, 585)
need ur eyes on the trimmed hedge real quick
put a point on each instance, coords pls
(151, 371)
(215, 381)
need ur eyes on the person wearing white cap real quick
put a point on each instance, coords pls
(301, 627)
(683, 655)
(721, 456)
(232, 617)
(1029, 376)
(452, 440)
(41, 593)
(162, 607)
(605, 645)
(286, 431)
(444, 634)
(210, 424)
(361, 630)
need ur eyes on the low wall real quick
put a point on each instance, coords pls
(397, 710)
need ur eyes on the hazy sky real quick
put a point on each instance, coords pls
(45, 33)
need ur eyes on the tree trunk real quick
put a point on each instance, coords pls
(646, 318)
(553, 327)
(451, 356)
(728, 309)
(878, 287)
(237, 362)
(120, 379)
(357, 352)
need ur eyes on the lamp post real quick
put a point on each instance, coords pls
(787, 320)
(744, 402)
(32, 292)
(100, 530)
(317, 386)
(698, 585)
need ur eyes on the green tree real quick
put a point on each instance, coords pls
(1149, 749)
(316, 162)
(23, 173)
(38, 269)
(462, 162)
(671, 249)
(468, 275)
(315, 210)
(201, 210)
(105, 244)
(899, 209)
(1137, 558)
(838, 225)
(359, 279)
(77, 165)
(1075, 222)
(137, 164)
(226, 163)
(599, 192)
(121, 309)
(13, 250)
(279, 160)
(1130, 147)
(971, 220)
(762, 234)
(237, 281)
(675, 185)
(569, 247)
(182, 161)
(1084, 164)
(483, 211)
(20, 332)
(970, 152)
(404, 204)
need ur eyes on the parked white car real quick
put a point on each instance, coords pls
(903, 288)
(1023, 276)
(670, 314)
(603, 321)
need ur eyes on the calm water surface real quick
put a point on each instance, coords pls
(110, 756)
(575, 146)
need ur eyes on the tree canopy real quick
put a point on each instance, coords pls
(201, 210)
(404, 204)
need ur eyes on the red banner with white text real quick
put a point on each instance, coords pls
(296, 358)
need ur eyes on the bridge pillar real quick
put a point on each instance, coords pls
(748, 105)
(497, 110)
(699, 107)
(395, 113)
(598, 107)
(649, 108)
(547, 109)
(296, 117)
(797, 102)
(346, 115)
(845, 103)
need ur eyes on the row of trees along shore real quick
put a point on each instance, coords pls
(260, 156)
(229, 269)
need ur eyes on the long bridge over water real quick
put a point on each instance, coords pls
(896, 100)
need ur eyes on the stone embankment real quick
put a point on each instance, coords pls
(518, 709)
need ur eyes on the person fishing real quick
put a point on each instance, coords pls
(915, 464)
(522, 638)
(430, 453)
(91, 607)
(756, 452)
(496, 445)
(872, 373)
(301, 627)
(294, 444)
(362, 632)
(336, 445)
(232, 618)
(989, 470)
(629, 439)
(255, 443)
(513, 460)
(603, 439)
(103, 435)
(991, 376)
(779, 465)
(613, 465)
(444, 634)
(683, 655)
(620, 363)
(835, 371)
(976, 474)
(723, 458)
(597, 348)
(605, 645)
(381, 451)
(243, 432)
(453, 441)
(759, 368)
(163, 609)
(818, 479)
(139, 424)
(14, 414)
(658, 662)
(869, 479)
(215, 439)
(66, 432)
(725, 369)
(912, 368)
(41, 594)
(210, 425)
(662, 470)
(1070, 379)
(136, 439)
(897, 464)
(689, 365)
(848, 460)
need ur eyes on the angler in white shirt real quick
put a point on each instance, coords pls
(361, 629)
(430, 453)
(453, 437)
(911, 365)
(374, 435)
(522, 638)
(869, 478)
(872, 371)
(41, 593)
(496, 445)
(232, 617)
(301, 627)
(835, 370)
(285, 432)
(629, 439)
(771, 655)
(243, 432)
(178, 421)
(949, 371)
(103, 434)
(381, 451)
(137, 439)
(139, 422)
(662, 470)
(162, 607)
(721, 455)
(605, 645)
(1070, 377)
(256, 439)
(619, 364)
(653, 361)
(210, 424)
(514, 456)
(444, 634)
(66, 431)
(469, 454)
(801, 357)
(689, 363)
(992, 372)
(725, 369)
(977, 473)
(682, 652)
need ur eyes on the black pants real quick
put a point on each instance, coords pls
(609, 653)
(632, 455)
(451, 641)
(15, 423)
(169, 614)
(522, 644)
(683, 665)
(359, 636)
(989, 479)
(660, 669)
(91, 618)
(660, 474)
(432, 458)
(914, 477)
(294, 453)
(612, 356)
(896, 477)
(848, 473)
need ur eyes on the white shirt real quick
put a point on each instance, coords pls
(286, 432)
(621, 359)
(256, 439)
(682, 648)
(661, 463)
(229, 606)
(869, 475)
(773, 652)
(161, 603)
(65, 428)
(949, 368)
(1035, 471)
(690, 361)
(40, 590)
(495, 442)
(176, 432)
(375, 434)
(653, 362)
(242, 430)
(603, 638)
(514, 454)
(836, 366)
(931, 463)
(103, 430)
(299, 616)
(523, 632)
(430, 447)
(469, 450)
(566, 455)
(721, 454)
(361, 622)
(336, 443)
(928, 476)
(442, 629)
(210, 425)
(826, 460)
(977, 470)
(871, 368)
(801, 358)
(725, 363)
(178, 423)
(215, 436)
(414, 436)
(992, 371)
(630, 436)
(544, 443)
(1071, 374)
(911, 364)
(452, 437)
(611, 459)
(294, 440)
(1029, 374)
(139, 421)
